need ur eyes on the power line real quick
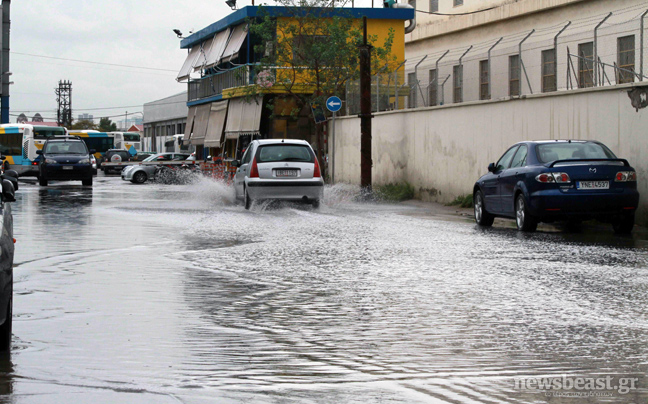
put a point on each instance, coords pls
(96, 63)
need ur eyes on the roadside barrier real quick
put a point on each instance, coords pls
(218, 170)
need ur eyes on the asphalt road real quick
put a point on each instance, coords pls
(168, 294)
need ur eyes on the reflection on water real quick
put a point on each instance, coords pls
(6, 375)
(179, 293)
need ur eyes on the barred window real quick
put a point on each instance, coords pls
(432, 89)
(514, 75)
(484, 94)
(457, 73)
(458, 3)
(549, 71)
(434, 6)
(626, 59)
(411, 83)
(586, 65)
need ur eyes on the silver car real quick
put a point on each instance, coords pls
(139, 174)
(278, 169)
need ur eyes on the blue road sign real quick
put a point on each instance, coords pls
(334, 104)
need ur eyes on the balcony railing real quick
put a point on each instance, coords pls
(210, 86)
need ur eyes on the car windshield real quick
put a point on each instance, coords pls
(284, 152)
(548, 152)
(151, 157)
(65, 148)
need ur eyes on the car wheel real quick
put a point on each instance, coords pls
(139, 177)
(42, 181)
(316, 203)
(524, 220)
(247, 200)
(5, 329)
(87, 182)
(624, 225)
(482, 217)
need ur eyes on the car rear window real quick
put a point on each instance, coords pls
(572, 151)
(66, 147)
(284, 152)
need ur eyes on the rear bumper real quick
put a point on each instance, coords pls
(556, 204)
(289, 190)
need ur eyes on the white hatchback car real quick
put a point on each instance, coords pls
(278, 169)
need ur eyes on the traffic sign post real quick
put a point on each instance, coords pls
(333, 104)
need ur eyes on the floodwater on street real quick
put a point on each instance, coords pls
(157, 293)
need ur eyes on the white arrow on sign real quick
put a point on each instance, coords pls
(334, 104)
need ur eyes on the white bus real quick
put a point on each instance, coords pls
(19, 142)
(129, 141)
(174, 144)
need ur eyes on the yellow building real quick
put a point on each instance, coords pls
(220, 72)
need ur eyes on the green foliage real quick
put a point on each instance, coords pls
(83, 124)
(106, 125)
(465, 201)
(394, 192)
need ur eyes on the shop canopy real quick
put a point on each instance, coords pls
(216, 124)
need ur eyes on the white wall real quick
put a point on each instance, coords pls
(443, 150)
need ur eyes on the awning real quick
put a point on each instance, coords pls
(200, 124)
(216, 124)
(243, 117)
(189, 63)
(201, 59)
(235, 43)
(218, 46)
(189, 126)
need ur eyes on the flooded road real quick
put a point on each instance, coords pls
(174, 294)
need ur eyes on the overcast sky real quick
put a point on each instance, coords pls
(126, 32)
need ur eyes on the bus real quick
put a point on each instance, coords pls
(100, 142)
(19, 142)
(129, 141)
(175, 144)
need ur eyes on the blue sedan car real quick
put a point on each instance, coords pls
(558, 180)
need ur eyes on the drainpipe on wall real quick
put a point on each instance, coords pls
(641, 48)
(412, 22)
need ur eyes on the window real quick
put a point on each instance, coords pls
(574, 150)
(549, 71)
(11, 144)
(432, 89)
(457, 3)
(505, 161)
(99, 144)
(304, 45)
(40, 133)
(457, 79)
(129, 137)
(411, 83)
(520, 157)
(514, 75)
(294, 153)
(484, 94)
(586, 65)
(626, 59)
(434, 6)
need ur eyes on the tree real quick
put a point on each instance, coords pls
(311, 54)
(106, 125)
(83, 124)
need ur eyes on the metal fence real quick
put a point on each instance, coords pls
(599, 50)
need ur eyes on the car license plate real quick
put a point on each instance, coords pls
(594, 185)
(286, 173)
(68, 167)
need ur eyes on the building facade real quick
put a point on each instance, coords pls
(162, 119)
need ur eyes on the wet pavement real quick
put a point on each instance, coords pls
(174, 294)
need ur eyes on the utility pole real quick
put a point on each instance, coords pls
(365, 111)
(64, 99)
(6, 28)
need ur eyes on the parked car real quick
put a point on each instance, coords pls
(65, 158)
(115, 156)
(139, 174)
(278, 169)
(6, 259)
(558, 180)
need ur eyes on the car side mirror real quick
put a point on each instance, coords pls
(491, 167)
(235, 163)
(39, 152)
(8, 191)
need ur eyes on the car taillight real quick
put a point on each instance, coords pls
(254, 171)
(626, 176)
(316, 171)
(35, 163)
(561, 178)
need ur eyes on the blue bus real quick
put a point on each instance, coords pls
(19, 142)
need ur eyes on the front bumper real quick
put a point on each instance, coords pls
(58, 172)
(287, 190)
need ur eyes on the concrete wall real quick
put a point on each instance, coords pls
(443, 150)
